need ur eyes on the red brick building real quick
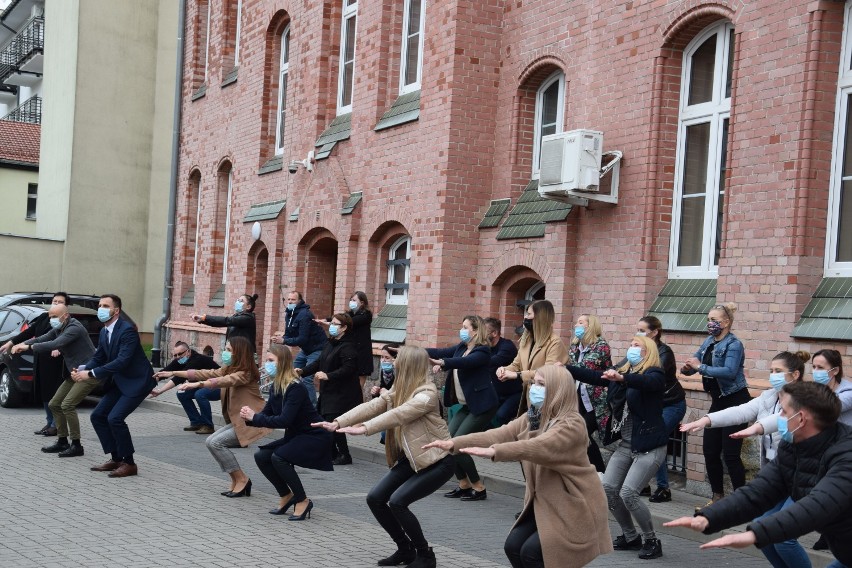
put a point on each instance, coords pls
(424, 119)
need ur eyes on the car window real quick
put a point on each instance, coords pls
(3, 315)
(11, 323)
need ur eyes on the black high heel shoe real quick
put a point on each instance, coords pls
(283, 509)
(244, 492)
(306, 514)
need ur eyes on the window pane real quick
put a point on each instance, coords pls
(723, 171)
(702, 71)
(401, 252)
(844, 224)
(348, 61)
(412, 55)
(349, 52)
(399, 274)
(285, 48)
(550, 105)
(346, 97)
(730, 70)
(847, 147)
(691, 231)
(282, 110)
(695, 163)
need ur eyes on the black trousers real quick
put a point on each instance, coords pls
(339, 445)
(280, 473)
(400, 487)
(523, 547)
(718, 445)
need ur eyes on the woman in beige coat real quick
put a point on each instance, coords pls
(239, 380)
(410, 413)
(539, 346)
(564, 522)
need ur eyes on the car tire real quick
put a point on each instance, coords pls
(10, 396)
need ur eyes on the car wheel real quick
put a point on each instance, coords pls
(10, 397)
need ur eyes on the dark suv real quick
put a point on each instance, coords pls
(44, 298)
(16, 371)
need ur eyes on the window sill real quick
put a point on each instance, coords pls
(29, 218)
(273, 164)
(202, 90)
(230, 78)
(405, 109)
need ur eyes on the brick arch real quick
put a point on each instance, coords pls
(385, 235)
(224, 164)
(383, 217)
(515, 258)
(508, 289)
(539, 69)
(693, 17)
(316, 269)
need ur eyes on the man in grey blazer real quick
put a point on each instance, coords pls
(70, 338)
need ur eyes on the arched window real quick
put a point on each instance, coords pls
(549, 105)
(284, 69)
(399, 271)
(705, 109)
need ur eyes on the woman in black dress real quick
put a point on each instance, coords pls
(362, 318)
(289, 408)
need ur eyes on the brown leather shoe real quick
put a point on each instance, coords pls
(205, 430)
(125, 470)
(108, 466)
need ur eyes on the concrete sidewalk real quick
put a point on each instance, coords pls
(506, 478)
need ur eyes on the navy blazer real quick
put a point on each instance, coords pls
(644, 401)
(502, 355)
(123, 360)
(474, 376)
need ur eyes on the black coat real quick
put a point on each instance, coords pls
(48, 372)
(292, 411)
(361, 322)
(674, 390)
(643, 394)
(196, 361)
(242, 324)
(817, 474)
(502, 355)
(342, 391)
(474, 376)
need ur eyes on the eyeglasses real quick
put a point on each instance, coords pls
(179, 355)
(724, 308)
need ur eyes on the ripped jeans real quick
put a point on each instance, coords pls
(627, 473)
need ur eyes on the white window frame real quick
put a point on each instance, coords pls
(283, 78)
(844, 91)
(714, 112)
(539, 108)
(32, 194)
(415, 86)
(197, 233)
(207, 43)
(349, 12)
(239, 29)
(228, 225)
(403, 299)
(534, 289)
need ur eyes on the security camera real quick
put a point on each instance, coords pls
(294, 166)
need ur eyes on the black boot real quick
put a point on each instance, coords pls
(60, 446)
(404, 554)
(425, 559)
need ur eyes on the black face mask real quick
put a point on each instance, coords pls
(528, 325)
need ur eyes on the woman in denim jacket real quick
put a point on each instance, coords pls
(720, 361)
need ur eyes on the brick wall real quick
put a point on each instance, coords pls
(433, 178)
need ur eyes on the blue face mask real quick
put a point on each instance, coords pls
(291, 307)
(777, 381)
(821, 376)
(55, 323)
(226, 357)
(183, 360)
(270, 368)
(353, 305)
(783, 431)
(238, 306)
(464, 335)
(634, 355)
(387, 367)
(333, 330)
(536, 395)
(104, 314)
(641, 334)
(579, 331)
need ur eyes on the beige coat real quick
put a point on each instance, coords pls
(418, 422)
(238, 390)
(531, 357)
(568, 497)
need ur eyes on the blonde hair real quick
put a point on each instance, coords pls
(545, 315)
(560, 399)
(727, 308)
(480, 332)
(651, 359)
(412, 371)
(285, 375)
(593, 331)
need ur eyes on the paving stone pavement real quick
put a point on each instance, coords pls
(58, 513)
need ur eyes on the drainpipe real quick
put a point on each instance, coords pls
(173, 182)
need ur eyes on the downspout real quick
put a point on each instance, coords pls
(173, 182)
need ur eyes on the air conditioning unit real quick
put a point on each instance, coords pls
(571, 168)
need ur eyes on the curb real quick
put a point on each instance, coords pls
(517, 489)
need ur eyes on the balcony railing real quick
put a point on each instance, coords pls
(27, 42)
(28, 111)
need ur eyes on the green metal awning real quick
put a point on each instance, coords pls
(218, 299)
(351, 203)
(829, 313)
(495, 212)
(273, 164)
(339, 129)
(528, 217)
(406, 108)
(188, 299)
(265, 211)
(389, 325)
(682, 305)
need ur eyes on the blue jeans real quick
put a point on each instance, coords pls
(836, 564)
(787, 554)
(672, 415)
(50, 421)
(508, 410)
(300, 362)
(203, 415)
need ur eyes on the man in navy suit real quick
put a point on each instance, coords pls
(119, 356)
